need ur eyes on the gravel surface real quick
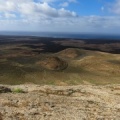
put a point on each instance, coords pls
(82, 102)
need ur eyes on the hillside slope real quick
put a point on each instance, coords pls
(71, 66)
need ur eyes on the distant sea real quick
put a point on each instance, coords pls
(64, 35)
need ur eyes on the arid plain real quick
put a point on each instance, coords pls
(59, 79)
(58, 61)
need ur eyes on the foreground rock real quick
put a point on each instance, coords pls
(83, 102)
(4, 89)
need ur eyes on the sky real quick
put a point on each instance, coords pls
(81, 16)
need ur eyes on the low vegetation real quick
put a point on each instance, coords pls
(17, 90)
(48, 62)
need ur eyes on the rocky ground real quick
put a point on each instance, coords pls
(82, 102)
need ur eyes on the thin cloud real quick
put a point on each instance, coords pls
(65, 4)
(73, 1)
(114, 7)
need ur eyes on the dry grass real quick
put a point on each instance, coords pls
(53, 63)
(91, 67)
(69, 53)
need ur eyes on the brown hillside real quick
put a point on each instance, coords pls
(53, 63)
(70, 53)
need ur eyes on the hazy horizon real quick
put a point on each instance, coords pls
(73, 35)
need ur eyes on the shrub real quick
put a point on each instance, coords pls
(18, 90)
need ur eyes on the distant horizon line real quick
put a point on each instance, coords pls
(60, 32)
(66, 35)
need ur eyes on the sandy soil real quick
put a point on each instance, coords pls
(82, 102)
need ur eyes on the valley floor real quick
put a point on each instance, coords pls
(48, 102)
